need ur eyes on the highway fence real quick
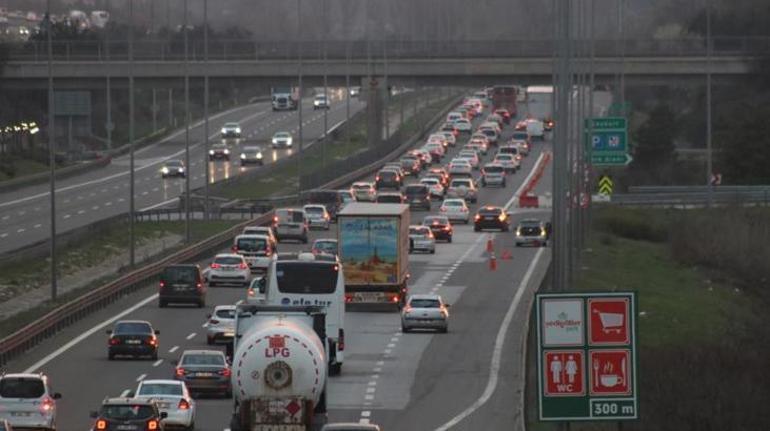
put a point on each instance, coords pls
(250, 50)
(693, 196)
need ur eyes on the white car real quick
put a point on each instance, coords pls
(228, 268)
(262, 230)
(463, 125)
(421, 238)
(494, 125)
(26, 401)
(257, 249)
(320, 101)
(435, 187)
(435, 149)
(507, 161)
(464, 188)
(317, 216)
(282, 139)
(172, 397)
(471, 157)
(455, 210)
(221, 325)
(460, 167)
(523, 146)
(231, 130)
(427, 311)
(535, 129)
(450, 138)
(438, 137)
(364, 191)
(481, 144)
(453, 116)
(490, 133)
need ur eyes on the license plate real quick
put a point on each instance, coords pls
(204, 374)
(228, 268)
(368, 296)
(163, 405)
(126, 427)
(21, 414)
(133, 341)
(180, 289)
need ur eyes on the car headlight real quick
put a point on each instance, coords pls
(224, 131)
(275, 141)
(316, 103)
(181, 170)
(164, 170)
(259, 155)
(227, 151)
(211, 152)
(243, 156)
(542, 233)
(518, 232)
(289, 141)
(238, 130)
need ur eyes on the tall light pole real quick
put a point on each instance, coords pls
(51, 149)
(299, 102)
(206, 107)
(709, 161)
(186, 129)
(108, 91)
(131, 239)
(326, 85)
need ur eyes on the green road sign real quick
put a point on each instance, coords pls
(586, 364)
(605, 185)
(608, 140)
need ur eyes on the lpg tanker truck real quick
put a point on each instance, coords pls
(279, 368)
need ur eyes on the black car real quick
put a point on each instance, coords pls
(489, 217)
(132, 338)
(440, 226)
(219, 152)
(533, 232)
(387, 179)
(182, 284)
(205, 371)
(418, 196)
(173, 168)
(129, 414)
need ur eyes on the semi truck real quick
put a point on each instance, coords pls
(373, 247)
(285, 98)
(278, 368)
(539, 103)
(504, 97)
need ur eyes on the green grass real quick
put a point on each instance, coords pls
(21, 167)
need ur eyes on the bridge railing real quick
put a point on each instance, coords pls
(246, 50)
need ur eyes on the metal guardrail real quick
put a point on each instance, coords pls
(176, 214)
(248, 50)
(17, 343)
(693, 198)
(698, 189)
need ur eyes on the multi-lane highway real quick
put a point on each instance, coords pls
(469, 378)
(84, 199)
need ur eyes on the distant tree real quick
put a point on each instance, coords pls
(654, 149)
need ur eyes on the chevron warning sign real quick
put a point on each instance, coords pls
(605, 185)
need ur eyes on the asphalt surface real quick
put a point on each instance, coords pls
(99, 194)
(415, 381)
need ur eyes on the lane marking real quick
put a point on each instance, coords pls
(369, 397)
(158, 362)
(366, 413)
(21, 230)
(364, 421)
(37, 226)
(494, 366)
(141, 377)
(66, 216)
(3, 235)
(173, 349)
(75, 341)
(191, 336)
(370, 390)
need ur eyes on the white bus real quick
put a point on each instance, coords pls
(307, 279)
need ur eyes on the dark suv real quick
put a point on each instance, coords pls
(387, 179)
(182, 284)
(133, 338)
(129, 414)
(418, 196)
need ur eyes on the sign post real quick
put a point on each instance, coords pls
(609, 141)
(587, 361)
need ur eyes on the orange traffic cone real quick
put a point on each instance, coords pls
(506, 255)
(492, 262)
(490, 245)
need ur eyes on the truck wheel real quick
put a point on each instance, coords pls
(321, 406)
(335, 369)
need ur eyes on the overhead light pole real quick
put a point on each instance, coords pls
(51, 149)
(187, 234)
(709, 160)
(132, 185)
(205, 108)
(326, 84)
(299, 102)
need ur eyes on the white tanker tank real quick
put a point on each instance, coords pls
(279, 367)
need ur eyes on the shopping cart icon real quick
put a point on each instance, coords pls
(611, 322)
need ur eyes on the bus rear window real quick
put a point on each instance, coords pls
(306, 277)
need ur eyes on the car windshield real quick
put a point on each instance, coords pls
(228, 260)
(226, 313)
(250, 149)
(127, 412)
(326, 245)
(252, 244)
(306, 277)
(315, 210)
(361, 186)
(504, 157)
(132, 328)
(177, 274)
(529, 230)
(160, 389)
(174, 163)
(425, 303)
(202, 359)
(453, 203)
(435, 220)
(282, 135)
(415, 190)
(520, 136)
(231, 125)
(490, 211)
(418, 231)
(21, 387)
(460, 183)
(393, 199)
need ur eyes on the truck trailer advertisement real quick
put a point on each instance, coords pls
(369, 250)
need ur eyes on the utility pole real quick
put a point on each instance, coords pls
(206, 108)
(347, 101)
(299, 103)
(132, 203)
(326, 86)
(51, 149)
(108, 91)
(709, 160)
(588, 179)
(187, 235)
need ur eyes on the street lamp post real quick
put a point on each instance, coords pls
(326, 85)
(709, 160)
(186, 129)
(132, 203)
(205, 107)
(299, 103)
(51, 149)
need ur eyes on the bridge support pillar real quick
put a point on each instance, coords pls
(374, 105)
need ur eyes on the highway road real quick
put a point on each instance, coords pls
(99, 194)
(470, 378)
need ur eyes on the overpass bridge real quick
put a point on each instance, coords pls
(420, 62)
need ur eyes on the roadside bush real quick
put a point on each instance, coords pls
(631, 224)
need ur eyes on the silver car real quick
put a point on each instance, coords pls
(282, 140)
(26, 401)
(172, 397)
(317, 216)
(421, 238)
(427, 311)
(228, 268)
(493, 174)
(464, 188)
(221, 325)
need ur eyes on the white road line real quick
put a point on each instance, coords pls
(239, 302)
(173, 349)
(75, 341)
(21, 230)
(145, 193)
(364, 421)
(387, 351)
(394, 339)
(141, 377)
(157, 205)
(121, 200)
(375, 376)
(391, 345)
(6, 217)
(372, 383)
(107, 204)
(66, 216)
(38, 226)
(371, 390)
(95, 207)
(81, 212)
(191, 336)
(205, 324)
(366, 413)
(380, 363)
(158, 362)
(21, 213)
(3, 235)
(494, 366)
(125, 393)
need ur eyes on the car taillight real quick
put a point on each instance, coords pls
(152, 424)
(180, 372)
(443, 209)
(162, 284)
(199, 286)
(224, 372)
(152, 341)
(183, 404)
(447, 228)
(243, 265)
(114, 341)
(47, 405)
(215, 266)
(250, 292)
(348, 297)
(477, 217)
(268, 251)
(275, 219)
(394, 298)
(377, 178)
(341, 340)
(101, 424)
